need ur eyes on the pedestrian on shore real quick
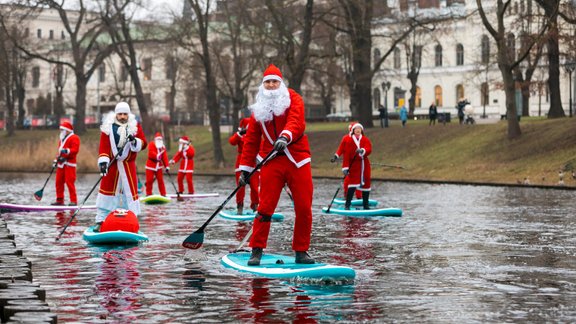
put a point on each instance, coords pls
(432, 113)
(383, 116)
(462, 102)
(68, 147)
(237, 139)
(121, 139)
(356, 165)
(403, 115)
(277, 123)
(185, 155)
(156, 163)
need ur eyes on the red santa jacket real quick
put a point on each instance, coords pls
(72, 145)
(352, 159)
(260, 136)
(157, 158)
(238, 140)
(340, 149)
(187, 163)
(108, 146)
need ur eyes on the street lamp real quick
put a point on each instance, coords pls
(569, 67)
(385, 88)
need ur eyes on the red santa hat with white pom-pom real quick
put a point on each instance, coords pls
(272, 73)
(354, 125)
(66, 126)
(184, 140)
(157, 136)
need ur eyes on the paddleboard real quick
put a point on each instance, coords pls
(192, 196)
(281, 266)
(339, 210)
(33, 208)
(155, 200)
(355, 202)
(113, 237)
(247, 215)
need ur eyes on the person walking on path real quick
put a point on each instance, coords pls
(460, 107)
(156, 163)
(237, 139)
(432, 113)
(356, 165)
(277, 124)
(68, 147)
(403, 115)
(121, 139)
(185, 155)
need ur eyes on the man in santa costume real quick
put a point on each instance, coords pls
(157, 161)
(185, 155)
(68, 147)
(355, 164)
(277, 123)
(121, 139)
(237, 139)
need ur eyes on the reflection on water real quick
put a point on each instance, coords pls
(459, 254)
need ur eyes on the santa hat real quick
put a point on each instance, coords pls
(157, 135)
(272, 73)
(122, 108)
(354, 125)
(66, 126)
(184, 140)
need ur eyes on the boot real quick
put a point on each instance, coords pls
(58, 203)
(97, 227)
(349, 196)
(255, 257)
(303, 258)
(365, 200)
(240, 209)
(254, 207)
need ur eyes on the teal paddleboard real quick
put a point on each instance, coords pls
(281, 266)
(355, 202)
(247, 215)
(339, 210)
(113, 237)
(155, 200)
(194, 196)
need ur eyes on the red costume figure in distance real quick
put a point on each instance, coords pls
(338, 154)
(157, 161)
(185, 155)
(68, 147)
(121, 139)
(355, 164)
(277, 123)
(238, 140)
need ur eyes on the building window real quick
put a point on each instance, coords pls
(438, 96)
(376, 99)
(377, 56)
(403, 5)
(424, 4)
(459, 54)
(170, 64)
(438, 55)
(148, 101)
(460, 92)
(39, 33)
(485, 44)
(35, 77)
(62, 35)
(123, 73)
(418, 56)
(102, 73)
(50, 34)
(397, 59)
(147, 68)
(418, 99)
(484, 94)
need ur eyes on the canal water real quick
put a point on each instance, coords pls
(458, 254)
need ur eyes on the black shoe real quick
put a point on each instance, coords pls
(303, 258)
(240, 209)
(72, 204)
(57, 203)
(97, 227)
(255, 257)
(366, 199)
(349, 196)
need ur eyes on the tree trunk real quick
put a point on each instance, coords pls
(79, 121)
(9, 117)
(556, 110)
(214, 116)
(514, 130)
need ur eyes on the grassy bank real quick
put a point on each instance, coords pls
(478, 153)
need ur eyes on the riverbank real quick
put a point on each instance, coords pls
(442, 153)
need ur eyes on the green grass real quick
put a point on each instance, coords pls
(478, 153)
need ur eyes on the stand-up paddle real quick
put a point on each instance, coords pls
(244, 240)
(194, 241)
(341, 185)
(38, 194)
(388, 165)
(173, 185)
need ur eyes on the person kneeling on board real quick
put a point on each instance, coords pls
(277, 123)
(121, 220)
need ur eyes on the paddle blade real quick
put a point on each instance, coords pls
(194, 241)
(38, 194)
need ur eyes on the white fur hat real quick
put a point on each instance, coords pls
(122, 108)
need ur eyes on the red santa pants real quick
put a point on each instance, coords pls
(67, 175)
(254, 183)
(188, 180)
(150, 181)
(274, 175)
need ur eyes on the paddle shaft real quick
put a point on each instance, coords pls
(172, 182)
(244, 240)
(46, 182)
(387, 165)
(340, 186)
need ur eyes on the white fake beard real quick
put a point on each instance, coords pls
(123, 132)
(63, 134)
(159, 143)
(270, 103)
